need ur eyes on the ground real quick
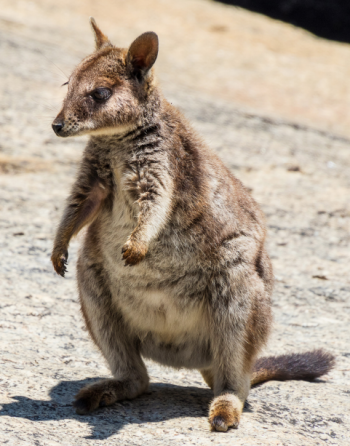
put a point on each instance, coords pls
(284, 141)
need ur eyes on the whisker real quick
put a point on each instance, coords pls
(43, 104)
(54, 73)
(64, 74)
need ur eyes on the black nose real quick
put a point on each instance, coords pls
(57, 127)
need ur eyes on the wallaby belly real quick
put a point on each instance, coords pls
(169, 333)
(164, 308)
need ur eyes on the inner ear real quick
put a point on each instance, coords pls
(100, 39)
(142, 54)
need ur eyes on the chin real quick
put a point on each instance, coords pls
(117, 130)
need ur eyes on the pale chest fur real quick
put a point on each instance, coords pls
(145, 293)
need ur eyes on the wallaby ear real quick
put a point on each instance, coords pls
(142, 54)
(100, 39)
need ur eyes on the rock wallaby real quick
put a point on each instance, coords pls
(173, 266)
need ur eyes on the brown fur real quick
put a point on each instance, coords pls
(225, 411)
(197, 289)
(306, 366)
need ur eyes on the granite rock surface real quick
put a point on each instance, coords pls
(299, 173)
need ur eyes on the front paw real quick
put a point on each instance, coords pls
(133, 252)
(59, 261)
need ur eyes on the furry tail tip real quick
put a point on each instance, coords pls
(302, 366)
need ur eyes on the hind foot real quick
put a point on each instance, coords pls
(106, 392)
(225, 412)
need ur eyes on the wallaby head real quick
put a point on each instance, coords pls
(109, 91)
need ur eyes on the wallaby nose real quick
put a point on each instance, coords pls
(57, 127)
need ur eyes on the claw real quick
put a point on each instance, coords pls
(60, 262)
(63, 270)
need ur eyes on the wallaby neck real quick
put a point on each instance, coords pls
(134, 136)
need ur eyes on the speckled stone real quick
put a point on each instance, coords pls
(301, 179)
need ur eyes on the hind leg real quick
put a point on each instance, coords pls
(231, 388)
(208, 377)
(108, 330)
(239, 319)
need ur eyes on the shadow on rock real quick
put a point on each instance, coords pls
(162, 402)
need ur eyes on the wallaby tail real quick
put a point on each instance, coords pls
(306, 366)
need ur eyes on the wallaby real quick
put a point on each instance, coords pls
(196, 290)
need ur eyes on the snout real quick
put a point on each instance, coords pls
(57, 126)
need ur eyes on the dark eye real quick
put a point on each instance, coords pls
(101, 94)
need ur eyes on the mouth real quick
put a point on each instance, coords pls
(61, 135)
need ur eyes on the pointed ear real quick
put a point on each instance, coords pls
(142, 54)
(100, 39)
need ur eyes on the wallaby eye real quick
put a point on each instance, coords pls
(101, 94)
